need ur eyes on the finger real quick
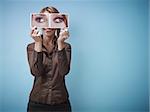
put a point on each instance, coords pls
(65, 33)
(38, 34)
(32, 31)
(64, 29)
(65, 37)
(35, 32)
(34, 27)
(34, 35)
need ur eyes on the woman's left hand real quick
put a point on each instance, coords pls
(64, 34)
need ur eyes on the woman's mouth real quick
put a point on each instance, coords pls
(47, 31)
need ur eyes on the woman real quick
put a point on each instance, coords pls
(49, 59)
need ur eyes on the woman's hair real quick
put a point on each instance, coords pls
(49, 9)
(65, 20)
(52, 10)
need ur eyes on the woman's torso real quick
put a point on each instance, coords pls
(49, 88)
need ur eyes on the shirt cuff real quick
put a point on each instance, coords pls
(61, 53)
(38, 56)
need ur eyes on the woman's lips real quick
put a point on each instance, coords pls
(48, 30)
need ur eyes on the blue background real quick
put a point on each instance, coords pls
(109, 68)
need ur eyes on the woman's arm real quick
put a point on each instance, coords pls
(64, 53)
(64, 59)
(35, 56)
(35, 60)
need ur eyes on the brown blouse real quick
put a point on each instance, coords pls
(49, 71)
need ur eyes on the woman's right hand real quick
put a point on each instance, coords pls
(35, 34)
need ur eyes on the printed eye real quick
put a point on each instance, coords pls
(40, 19)
(58, 19)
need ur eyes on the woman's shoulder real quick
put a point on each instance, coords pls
(30, 46)
(67, 45)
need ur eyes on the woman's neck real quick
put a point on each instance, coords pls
(48, 40)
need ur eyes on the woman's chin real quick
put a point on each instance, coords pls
(49, 34)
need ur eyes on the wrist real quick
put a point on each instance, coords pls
(60, 41)
(61, 45)
(38, 46)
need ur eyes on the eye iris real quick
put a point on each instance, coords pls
(39, 19)
(58, 20)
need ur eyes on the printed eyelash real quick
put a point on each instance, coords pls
(39, 19)
(59, 18)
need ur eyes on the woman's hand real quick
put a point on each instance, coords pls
(64, 34)
(35, 34)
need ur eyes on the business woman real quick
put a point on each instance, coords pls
(49, 58)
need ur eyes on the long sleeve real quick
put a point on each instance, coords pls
(35, 60)
(64, 60)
